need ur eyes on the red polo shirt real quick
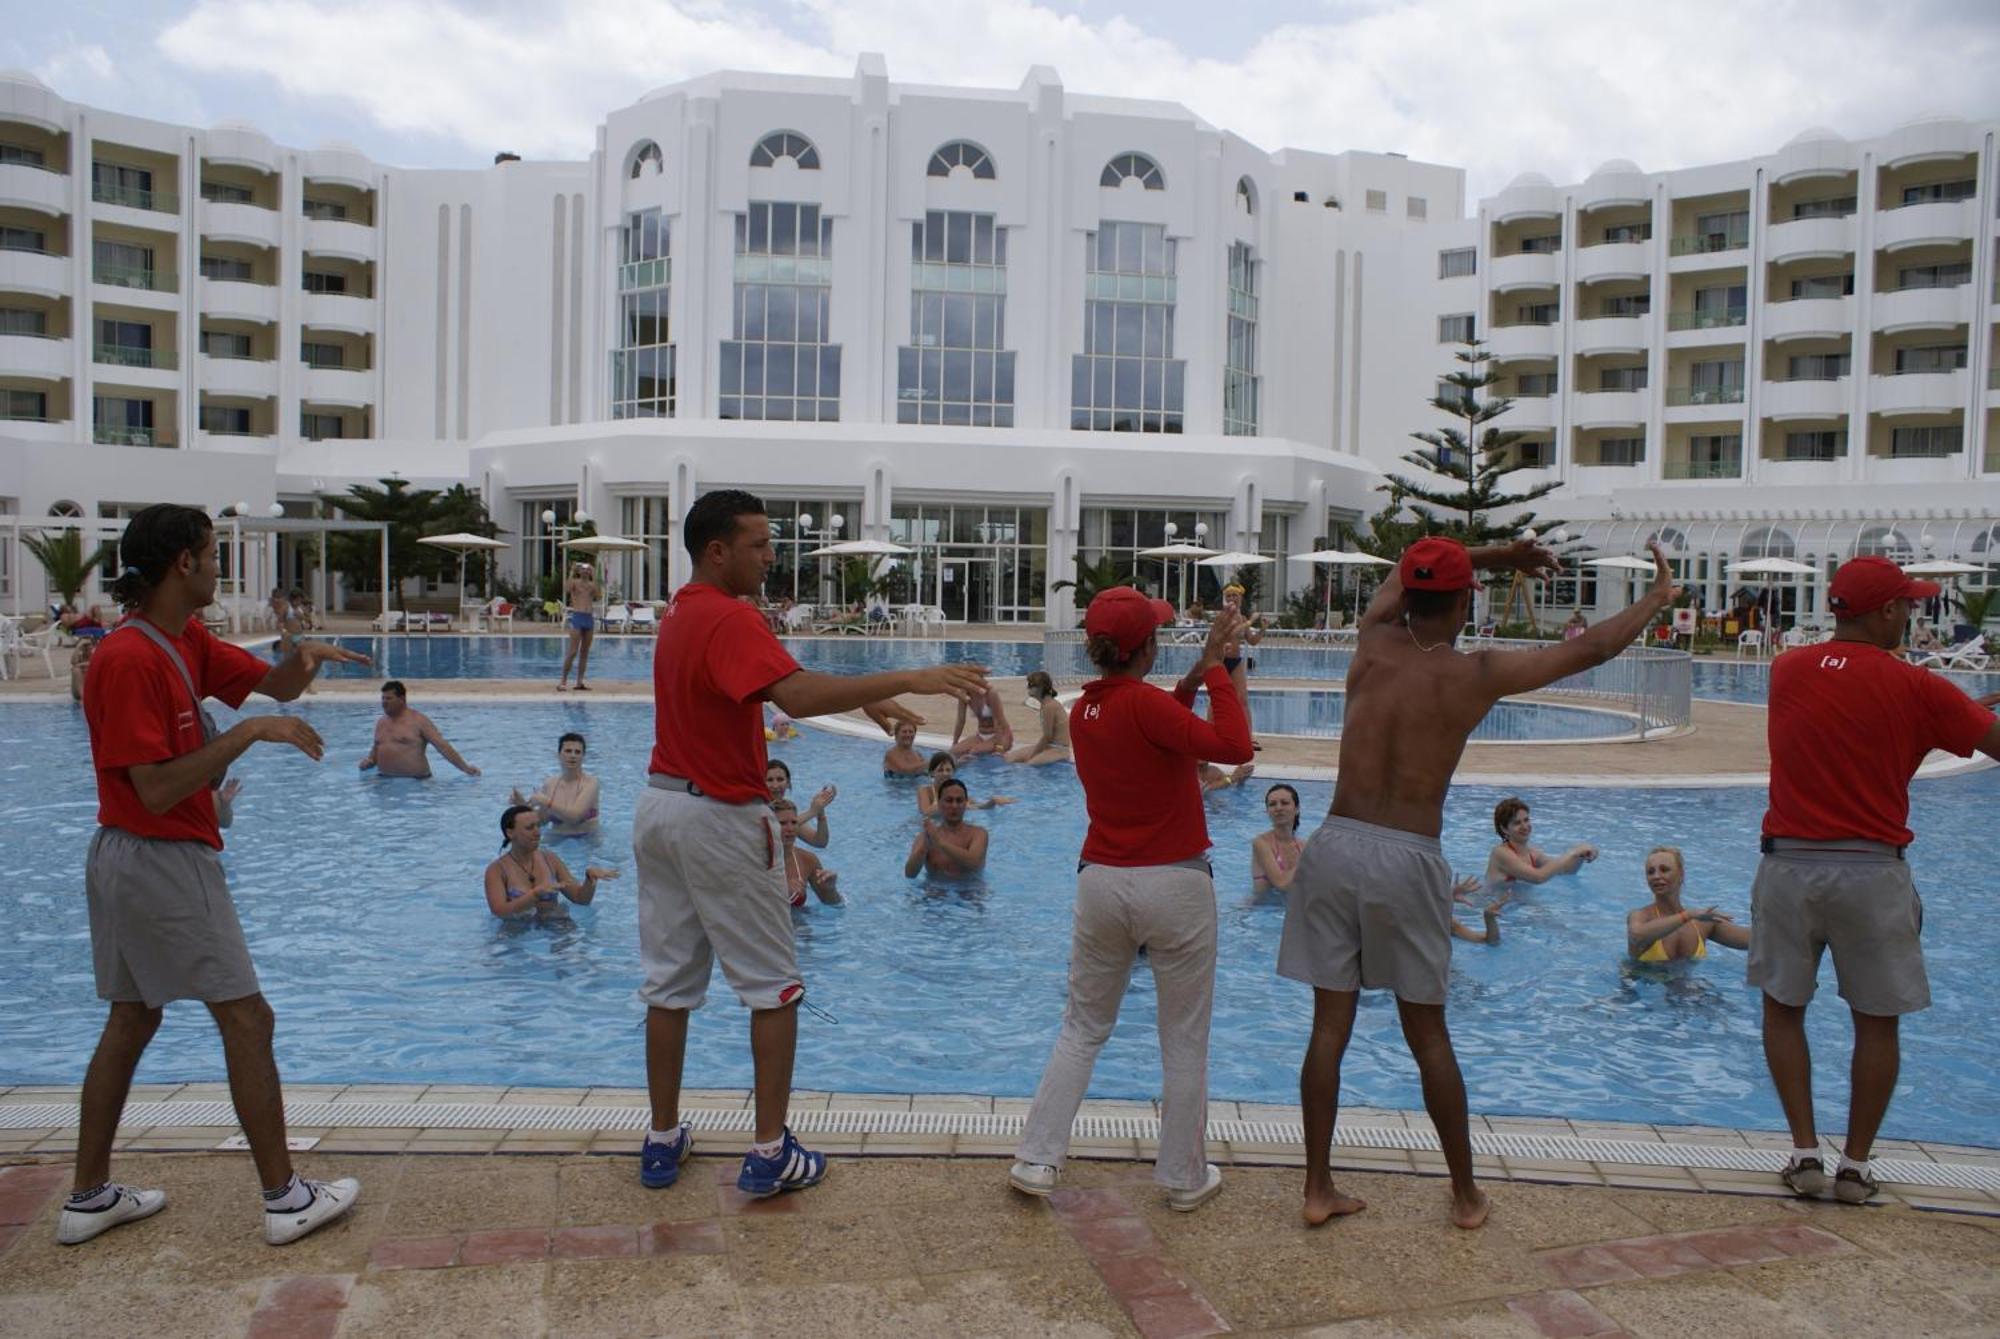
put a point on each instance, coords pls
(1138, 752)
(713, 664)
(1849, 725)
(139, 712)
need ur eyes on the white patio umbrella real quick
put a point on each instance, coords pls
(1942, 567)
(1775, 567)
(1338, 558)
(464, 545)
(605, 544)
(1622, 564)
(859, 548)
(1167, 553)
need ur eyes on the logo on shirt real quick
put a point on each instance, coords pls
(1093, 711)
(183, 720)
(1833, 662)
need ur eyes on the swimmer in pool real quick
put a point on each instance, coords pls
(1053, 745)
(942, 768)
(812, 822)
(803, 871)
(1274, 855)
(1214, 778)
(567, 801)
(1663, 930)
(402, 735)
(950, 846)
(990, 731)
(526, 880)
(902, 758)
(1514, 862)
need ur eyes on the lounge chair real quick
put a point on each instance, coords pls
(645, 619)
(389, 620)
(616, 618)
(1967, 655)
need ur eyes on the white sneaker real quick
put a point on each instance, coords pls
(1187, 1201)
(1033, 1178)
(330, 1199)
(79, 1225)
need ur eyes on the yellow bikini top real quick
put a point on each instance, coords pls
(1656, 951)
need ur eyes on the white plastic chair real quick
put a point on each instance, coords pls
(1751, 640)
(798, 618)
(498, 611)
(41, 643)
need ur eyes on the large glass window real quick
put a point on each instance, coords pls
(32, 406)
(1127, 378)
(1457, 262)
(114, 183)
(227, 270)
(977, 564)
(1455, 329)
(642, 366)
(1239, 374)
(541, 541)
(648, 518)
(781, 363)
(1928, 443)
(794, 575)
(1120, 532)
(225, 420)
(955, 368)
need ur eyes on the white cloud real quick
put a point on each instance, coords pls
(87, 72)
(1556, 87)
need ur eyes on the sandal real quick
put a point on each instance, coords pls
(562, 688)
(583, 688)
(1805, 1178)
(1854, 1186)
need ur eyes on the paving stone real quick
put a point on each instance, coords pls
(301, 1307)
(1562, 1314)
(414, 1253)
(677, 1295)
(504, 1246)
(449, 1303)
(1585, 1266)
(610, 1242)
(24, 1190)
(701, 1237)
(1174, 1315)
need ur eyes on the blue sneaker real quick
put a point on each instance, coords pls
(660, 1164)
(794, 1168)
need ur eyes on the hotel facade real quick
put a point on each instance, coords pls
(1007, 329)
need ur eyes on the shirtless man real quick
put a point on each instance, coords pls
(1513, 862)
(803, 870)
(902, 758)
(1371, 902)
(580, 596)
(1664, 931)
(991, 733)
(567, 801)
(1053, 745)
(949, 846)
(402, 734)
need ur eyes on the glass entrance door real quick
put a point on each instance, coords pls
(966, 589)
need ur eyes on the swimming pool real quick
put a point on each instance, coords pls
(540, 656)
(1750, 681)
(939, 989)
(1318, 713)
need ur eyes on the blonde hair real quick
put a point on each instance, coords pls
(1674, 851)
(1233, 588)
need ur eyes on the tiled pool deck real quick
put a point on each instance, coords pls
(533, 1223)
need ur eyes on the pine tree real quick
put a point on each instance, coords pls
(1465, 484)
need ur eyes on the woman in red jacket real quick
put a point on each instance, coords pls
(1143, 882)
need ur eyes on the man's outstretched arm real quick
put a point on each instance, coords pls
(1508, 672)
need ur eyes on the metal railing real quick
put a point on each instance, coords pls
(1707, 320)
(133, 276)
(134, 355)
(1687, 395)
(132, 197)
(1653, 686)
(1708, 243)
(120, 435)
(1731, 468)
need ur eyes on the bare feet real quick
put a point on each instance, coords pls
(1470, 1211)
(1333, 1204)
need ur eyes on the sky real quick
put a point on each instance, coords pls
(1553, 86)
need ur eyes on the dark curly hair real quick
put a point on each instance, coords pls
(1503, 812)
(153, 542)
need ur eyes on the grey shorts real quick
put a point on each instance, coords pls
(162, 924)
(1369, 907)
(712, 886)
(1856, 898)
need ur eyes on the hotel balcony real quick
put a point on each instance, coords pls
(1505, 274)
(1679, 465)
(35, 272)
(338, 386)
(339, 237)
(1805, 398)
(1522, 341)
(1613, 260)
(235, 300)
(158, 210)
(1922, 308)
(243, 378)
(44, 357)
(1808, 318)
(1531, 413)
(1592, 410)
(1935, 223)
(40, 189)
(224, 221)
(1806, 239)
(339, 311)
(1612, 334)
(1918, 392)
(1703, 404)
(106, 434)
(134, 286)
(1702, 251)
(1708, 327)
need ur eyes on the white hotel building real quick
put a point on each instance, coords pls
(1004, 327)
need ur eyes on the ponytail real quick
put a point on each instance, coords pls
(153, 542)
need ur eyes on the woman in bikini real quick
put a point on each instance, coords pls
(1053, 746)
(1663, 930)
(1514, 862)
(803, 871)
(1274, 855)
(778, 780)
(991, 733)
(902, 759)
(526, 880)
(567, 801)
(942, 768)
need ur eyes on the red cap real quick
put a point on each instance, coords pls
(1126, 616)
(1863, 585)
(1436, 564)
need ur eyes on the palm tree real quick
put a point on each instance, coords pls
(62, 558)
(407, 511)
(1093, 577)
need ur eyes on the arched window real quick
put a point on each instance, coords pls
(785, 144)
(66, 508)
(1246, 196)
(1668, 538)
(1767, 542)
(961, 153)
(647, 155)
(1129, 165)
(1884, 541)
(1985, 552)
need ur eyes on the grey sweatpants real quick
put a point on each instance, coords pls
(1170, 911)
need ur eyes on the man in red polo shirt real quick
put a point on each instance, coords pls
(1850, 721)
(1370, 901)
(708, 848)
(162, 926)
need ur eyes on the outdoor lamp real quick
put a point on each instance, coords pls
(548, 516)
(1200, 531)
(836, 520)
(277, 510)
(1172, 529)
(582, 518)
(805, 520)
(243, 509)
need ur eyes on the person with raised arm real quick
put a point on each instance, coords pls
(947, 844)
(1849, 723)
(1370, 905)
(527, 880)
(1665, 931)
(567, 801)
(709, 853)
(1143, 882)
(1514, 861)
(162, 924)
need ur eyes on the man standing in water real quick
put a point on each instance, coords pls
(401, 736)
(162, 926)
(1849, 723)
(1370, 905)
(710, 855)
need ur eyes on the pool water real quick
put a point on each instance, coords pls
(631, 656)
(1750, 681)
(1317, 713)
(361, 899)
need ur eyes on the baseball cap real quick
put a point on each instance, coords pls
(1436, 564)
(1126, 616)
(1863, 585)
